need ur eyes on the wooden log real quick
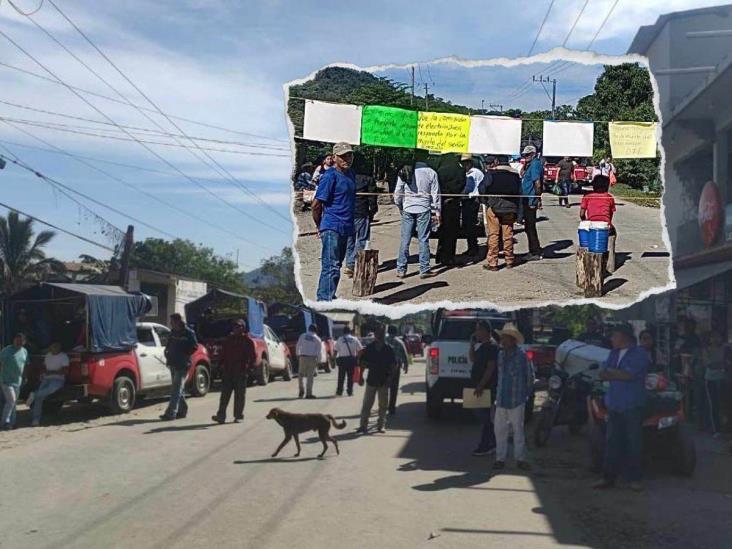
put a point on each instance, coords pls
(611, 254)
(581, 253)
(365, 272)
(594, 274)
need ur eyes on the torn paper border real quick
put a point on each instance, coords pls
(365, 306)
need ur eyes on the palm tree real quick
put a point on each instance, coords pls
(22, 259)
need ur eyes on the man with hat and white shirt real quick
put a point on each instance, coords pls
(333, 213)
(347, 348)
(515, 384)
(469, 206)
(531, 189)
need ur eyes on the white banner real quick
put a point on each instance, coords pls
(494, 135)
(332, 122)
(568, 139)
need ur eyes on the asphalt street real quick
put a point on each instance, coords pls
(641, 254)
(95, 480)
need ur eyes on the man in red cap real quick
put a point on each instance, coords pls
(237, 356)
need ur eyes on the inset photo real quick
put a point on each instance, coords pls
(506, 184)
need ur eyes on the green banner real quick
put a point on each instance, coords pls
(389, 127)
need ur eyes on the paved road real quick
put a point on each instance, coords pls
(132, 481)
(642, 255)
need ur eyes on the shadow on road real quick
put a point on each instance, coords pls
(413, 387)
(283, 459)
(613, 284)
(176, 428)
(551, 251)
(410, 293)
(386, 286)
(287, 399)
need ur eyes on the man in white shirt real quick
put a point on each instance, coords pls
(417, 195)
(56, 365)
(347, 348)
(469, 204)
(308, 349)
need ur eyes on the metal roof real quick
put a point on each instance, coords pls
(89, 289)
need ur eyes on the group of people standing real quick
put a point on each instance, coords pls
(446, 194)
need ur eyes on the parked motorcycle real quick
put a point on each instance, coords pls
(665, 433)
(565, 405)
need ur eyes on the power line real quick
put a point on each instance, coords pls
(16, 8)
(541, 28)
(574, 25)
(223, 169)
(56, 227)
(141, 129)
(120, 102)
(69, 129)
(81, 160)
(151, 151)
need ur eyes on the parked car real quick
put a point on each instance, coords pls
(279, 363)
(117, 360)
(212, 316)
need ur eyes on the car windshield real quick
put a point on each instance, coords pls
(461, 329)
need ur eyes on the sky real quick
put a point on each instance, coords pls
(223, 63)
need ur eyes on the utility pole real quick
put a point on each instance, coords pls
(411, 100)
(426, 99)
(495, 106)
(482, 105)
(541, 80)
(124, 269)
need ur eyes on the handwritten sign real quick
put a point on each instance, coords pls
(633, 139)
(444, 132)
(389, 127)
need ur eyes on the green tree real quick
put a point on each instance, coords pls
(22, 259)
(184, 258)
(276, 280)
(574, 317)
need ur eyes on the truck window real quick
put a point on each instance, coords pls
(461, 330)
(145, 337)
(163, 334)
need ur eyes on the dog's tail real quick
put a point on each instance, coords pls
(334, 423)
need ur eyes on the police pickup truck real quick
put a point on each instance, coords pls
(448, 366)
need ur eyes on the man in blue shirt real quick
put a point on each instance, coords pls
(531, 189)
(625, 370)
(13, 360)
(333, 213)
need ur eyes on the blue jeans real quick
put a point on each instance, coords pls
(423, 222)
(331, 260)
(49, 385)
(624, 448)
(357, 242)
(487, 434)
(177, 407)
(8, 400)
(565, 185)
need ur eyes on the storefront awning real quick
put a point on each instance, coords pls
(690, 276)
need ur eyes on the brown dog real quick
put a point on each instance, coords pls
(294, 424)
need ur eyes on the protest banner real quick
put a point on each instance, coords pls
(494, 135)
(633, 139)
(389, 126)
(443, 132)
(332, 123)
(568, 139)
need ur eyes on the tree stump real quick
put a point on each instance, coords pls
(590, 272)
(365, 272)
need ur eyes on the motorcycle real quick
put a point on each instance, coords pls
(565, 405)
(665, 433)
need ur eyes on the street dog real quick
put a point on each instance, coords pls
(294, 424)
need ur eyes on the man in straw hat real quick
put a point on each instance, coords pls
(333, 213)
(515, 384)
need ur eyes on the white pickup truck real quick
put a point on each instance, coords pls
(448, 366)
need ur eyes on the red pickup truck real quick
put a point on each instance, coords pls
(113, 358)
(582, 172)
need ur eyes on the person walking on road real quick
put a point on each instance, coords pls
(55, 365)
(308, 349)
(237, 357)
(13, 360)
(347, 348)
(515, 384)
(181, 345)
(333, 209)
(364, 211)
(565, 179)
(484, 375)
(417, 195)
(469, 205)
(625, 369)
(402, 362)
(531, 189)
(500, 211)
(379, 359)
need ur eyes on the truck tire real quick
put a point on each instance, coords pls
(122, 398)
(543, 429)
(685, 452)
(434, 406)
(201, 382)
(597, 449)
(287, 372)
(264, 373)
